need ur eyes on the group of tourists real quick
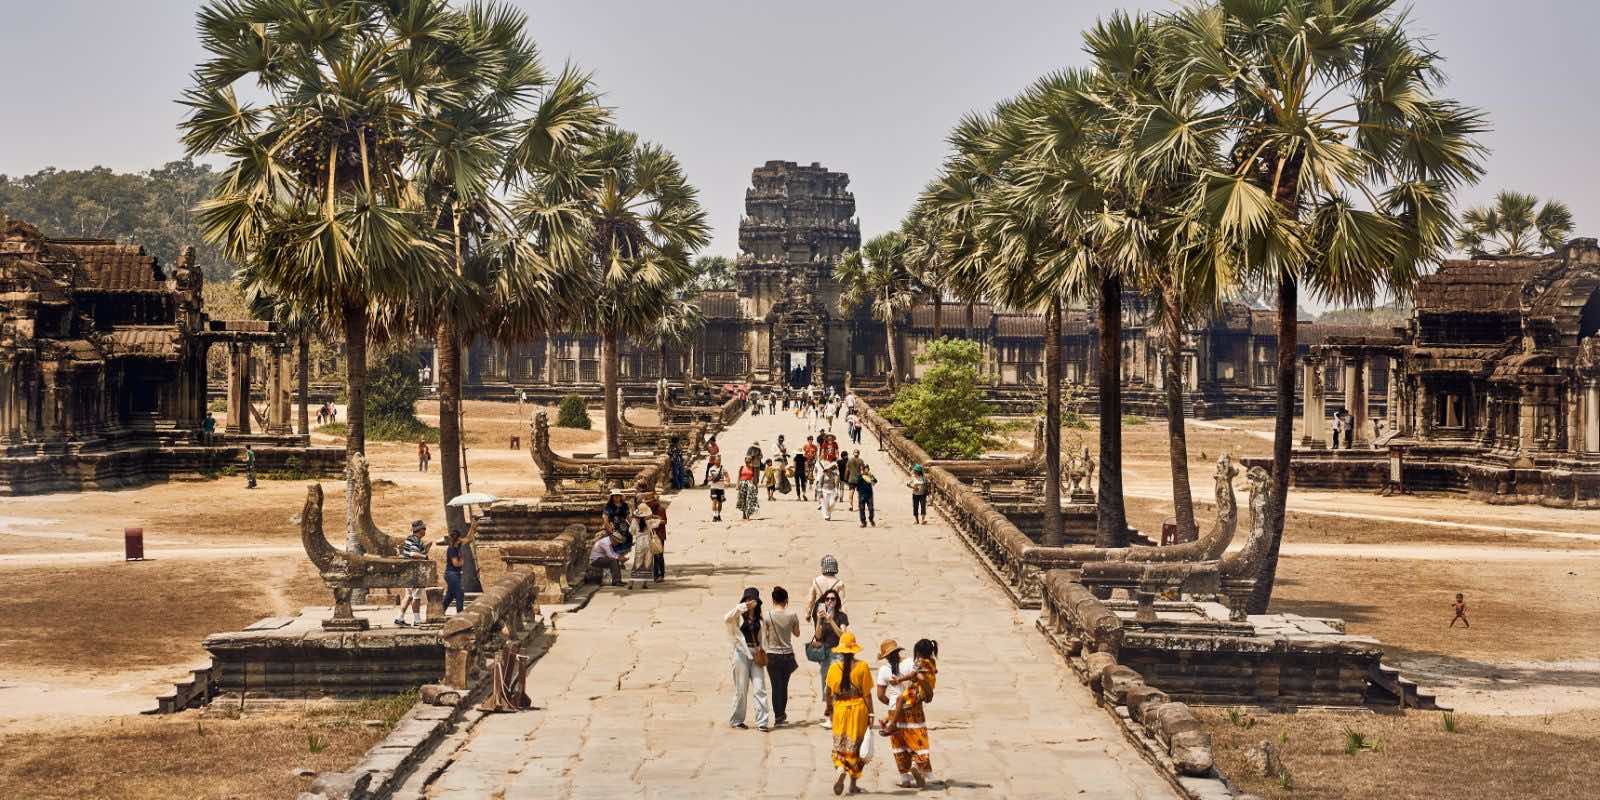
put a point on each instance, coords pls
(852, 691)
(327, 413)
(633, 534)
(414, 546)
(1344, 427)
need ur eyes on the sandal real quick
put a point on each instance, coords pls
(838, 783)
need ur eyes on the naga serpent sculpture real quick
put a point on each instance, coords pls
(344, 572)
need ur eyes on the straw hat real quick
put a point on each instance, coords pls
(888, 647)
(642, 511)
(847, 644)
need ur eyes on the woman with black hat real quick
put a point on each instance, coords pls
(749, 660)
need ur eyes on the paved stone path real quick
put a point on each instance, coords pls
(634, 697)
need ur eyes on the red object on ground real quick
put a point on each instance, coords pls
(133, 544)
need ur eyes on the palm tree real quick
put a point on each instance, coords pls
(1322, 105)
(628, 208)
(878, 275)
(314, 199)
(1513, 225)
(473, 140)
(679, 323)
(921, 233)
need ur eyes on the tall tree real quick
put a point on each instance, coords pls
(1320, 104)
(488, 116)
(640, 221)
(920, 229)
(1515, 224)
(877, 274)
(714, 273)
(314, 198)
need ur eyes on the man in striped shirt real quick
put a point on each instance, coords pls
(413, 547)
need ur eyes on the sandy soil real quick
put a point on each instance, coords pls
(84, 634)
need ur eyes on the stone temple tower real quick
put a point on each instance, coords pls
(798, 221)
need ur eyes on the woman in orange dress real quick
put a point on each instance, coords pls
(906, 723)
(850, 686)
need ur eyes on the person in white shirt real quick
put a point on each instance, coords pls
(743, 624)
(828, 488)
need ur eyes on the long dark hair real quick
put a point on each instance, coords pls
(847, 661)
(894, 662)
(751, 593)
(925, 648)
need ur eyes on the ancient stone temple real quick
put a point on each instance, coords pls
(1498, 392)
(782, 323)
(103, 369)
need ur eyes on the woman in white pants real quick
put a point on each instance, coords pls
(828, 488)
(744, 633)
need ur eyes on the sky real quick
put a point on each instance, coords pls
(867, 87)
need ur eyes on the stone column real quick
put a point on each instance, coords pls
(247, 364)
(234, 406)
(1527, 417)
(1355, 395)
(1392, 408)
(1591, 416)
(274, 385)
(1312, 409)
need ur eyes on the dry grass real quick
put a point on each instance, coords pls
(186, 756)
(1489, 758)
(108, 618)
(1519, 610)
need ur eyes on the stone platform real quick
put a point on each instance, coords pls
(293, 657)
(89, 466)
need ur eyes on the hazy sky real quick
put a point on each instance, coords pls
(866, 87)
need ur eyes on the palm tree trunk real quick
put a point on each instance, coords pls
(938, 315)
(972, 314)
(355, 377)
(304, 357)
(447, 345)
(894, 357)
(1052, 426)
(355, 414)
(1112, 524)
(1282, 442)
(1177, 439)
(608, 371)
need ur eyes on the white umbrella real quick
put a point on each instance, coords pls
(472, 499)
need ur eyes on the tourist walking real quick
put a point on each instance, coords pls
(249, 467)
(749, 502)
(780, 627)
(713, 454)
(769, 478)
(829, 623)
(744, 633)
(424, 455)
(413, 547)
(453, 561)
(717, 481)
(802, 478)
(852, 473)
(865, 481)
(919, 495)
(658, 545)
(849, 682)
(828, 489)
(905, 720)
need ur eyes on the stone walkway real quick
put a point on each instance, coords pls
(634, 697)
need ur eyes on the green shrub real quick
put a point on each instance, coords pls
(574, 413)
(217, 406)
(945, 413)
(1129, 420)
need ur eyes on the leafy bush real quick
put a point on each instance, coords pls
(945, 413)
(574, 413)
(393, 390)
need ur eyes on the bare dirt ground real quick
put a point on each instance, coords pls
(1412, 757)
(84, 634)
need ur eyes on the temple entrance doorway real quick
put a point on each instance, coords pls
(798, 366)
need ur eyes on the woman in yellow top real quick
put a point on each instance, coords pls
(850, 686)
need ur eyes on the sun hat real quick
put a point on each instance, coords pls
(847, 644)
(616, 493)
(830, 565)
(889, 646)
(641, 511)
(916, 468)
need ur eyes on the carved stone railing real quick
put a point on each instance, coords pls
(558, 562)
(345, 572)
(656, 439)
(716, 417)
(1091, 636)
(470, 637)
(558, 471)
(1015, 560)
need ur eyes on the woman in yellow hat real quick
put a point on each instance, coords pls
(850, 686)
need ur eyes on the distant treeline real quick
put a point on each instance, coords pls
(153, 208)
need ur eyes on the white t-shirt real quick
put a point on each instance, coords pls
(893, 690)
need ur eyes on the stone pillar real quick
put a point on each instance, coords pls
(234, 406)
(1191, 371)
(1392, 408)
(1312, 410)
(274, 388)
(1591, 416)
(1355, 395)
(247, 364)
(1527, 417)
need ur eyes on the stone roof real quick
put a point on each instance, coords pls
(145, 341)
(718, 304)
(1318, 333)
(116, 267)
(1477, 286)
(955, 316)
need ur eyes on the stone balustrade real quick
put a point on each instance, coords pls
(510, 603)
(558, 562)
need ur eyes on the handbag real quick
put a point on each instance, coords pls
(759, 655)
(865, 749)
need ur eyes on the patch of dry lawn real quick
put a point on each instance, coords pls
(183, 755)
(1489, 758)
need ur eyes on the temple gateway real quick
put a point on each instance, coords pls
(783, 324)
